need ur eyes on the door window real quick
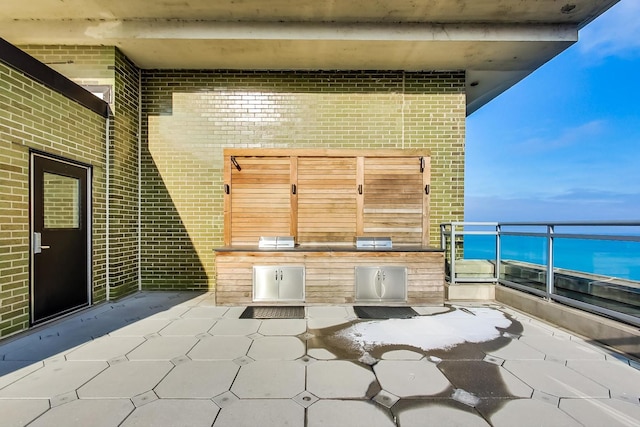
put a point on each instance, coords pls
(61, 201)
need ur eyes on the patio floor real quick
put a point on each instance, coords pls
(176, 359)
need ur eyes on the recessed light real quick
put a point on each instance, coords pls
(474, 83)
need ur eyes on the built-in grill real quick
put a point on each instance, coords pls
(276, 242)
(373, 243)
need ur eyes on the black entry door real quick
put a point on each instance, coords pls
(59, 238)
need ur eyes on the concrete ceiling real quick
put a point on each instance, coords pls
(498, 42)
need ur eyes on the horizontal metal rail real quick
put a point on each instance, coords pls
(452, 234)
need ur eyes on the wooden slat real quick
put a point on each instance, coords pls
(260, 199)
(327, 206)
(393, 204)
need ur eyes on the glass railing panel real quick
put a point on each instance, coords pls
(524, 261)
(604, 273)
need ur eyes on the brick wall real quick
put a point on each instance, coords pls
(33, 116)
(123, 187)
(189, 117)
(106, 65)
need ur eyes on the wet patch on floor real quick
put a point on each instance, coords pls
(456, 341)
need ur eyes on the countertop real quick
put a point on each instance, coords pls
(327, 248)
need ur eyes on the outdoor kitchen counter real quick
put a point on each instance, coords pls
(329, 271)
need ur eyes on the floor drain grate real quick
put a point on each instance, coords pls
(377, 312)
(290, 312)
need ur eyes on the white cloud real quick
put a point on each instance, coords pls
(615, 33)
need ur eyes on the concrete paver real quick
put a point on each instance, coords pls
(270, 379)
(125, 379)
(276, 348)
(602, 412)
(55, 378)
(175, 358)
(220, 348)
(339, 379)
(410, 378)
(89, 412)
(18, 413)
(348, 413)
(261, 412)
(441, 415)
(531, 413)
(198, 380)
(173, 412)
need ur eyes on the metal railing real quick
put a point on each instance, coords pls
(543, 269)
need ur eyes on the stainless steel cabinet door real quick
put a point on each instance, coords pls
(394, 283)
(381, 284)
(367, 284)
(265, 283)
(291, 287)
(278, 283)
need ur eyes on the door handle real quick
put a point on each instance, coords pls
(37, 243)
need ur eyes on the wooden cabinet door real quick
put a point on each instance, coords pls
(327, 206)
(395, 201)
(260, 199)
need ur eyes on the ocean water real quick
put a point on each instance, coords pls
(606, 257)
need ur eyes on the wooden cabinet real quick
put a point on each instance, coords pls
(326, 196)
(329, 275)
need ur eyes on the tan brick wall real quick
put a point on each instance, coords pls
(33, 116)
(190, 117)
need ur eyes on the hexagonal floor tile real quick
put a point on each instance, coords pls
(220, 348)
(339, 379)
(283, 327)
(198, 380)
(602, 412)
(406, 378)
(530, 413)
(18, 413)
(441, 414)
(261, 412)
(91, 412)
(55, 378)
(173, 412)
(277, 348)
(270, 379)
(348, 413)
(555, 379)
(125, 379)
(235, 327)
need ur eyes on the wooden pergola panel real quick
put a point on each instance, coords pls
(326, 196)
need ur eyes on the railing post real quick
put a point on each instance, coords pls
(550, 279)
(452, 279)
(497, 272)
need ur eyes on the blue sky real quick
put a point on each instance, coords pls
(564, 143)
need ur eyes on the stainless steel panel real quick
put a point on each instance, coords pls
(291, 283)
(366, 280)
(267, 242)
(373, 242)
(394, 283)
(271, 242)
(381, 284)
(265, 283)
